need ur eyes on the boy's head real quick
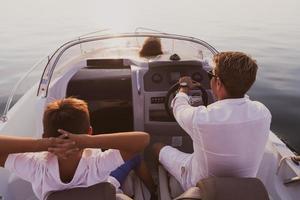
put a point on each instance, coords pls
(236, 70)
(70, 114)
(151, 47)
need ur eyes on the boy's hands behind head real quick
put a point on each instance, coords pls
(79, 139)
(63, 146)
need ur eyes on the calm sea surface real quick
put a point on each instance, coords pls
(269, 30)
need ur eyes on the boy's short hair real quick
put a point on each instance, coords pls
(70, 114)
(151, 47)
(236, 70)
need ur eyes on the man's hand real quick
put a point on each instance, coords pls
(63, 146)
(187, 80)
(191, 84)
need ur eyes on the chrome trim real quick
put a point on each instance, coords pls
(138, 84)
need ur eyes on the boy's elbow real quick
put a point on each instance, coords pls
(144, 139)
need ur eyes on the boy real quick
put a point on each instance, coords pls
(73, 166)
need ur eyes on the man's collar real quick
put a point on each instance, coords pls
(232, 100)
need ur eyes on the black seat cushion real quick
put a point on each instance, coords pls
(100, 191)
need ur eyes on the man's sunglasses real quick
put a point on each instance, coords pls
(211, 75)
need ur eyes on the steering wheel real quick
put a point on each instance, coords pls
(171, 92)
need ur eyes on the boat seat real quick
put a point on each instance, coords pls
(100, 191)
(213, 188)
(227, 188)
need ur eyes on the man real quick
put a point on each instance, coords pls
(75, 166)
(229, 136)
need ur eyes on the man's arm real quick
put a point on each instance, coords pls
(13, 144)
(183, 112)
(129, 143)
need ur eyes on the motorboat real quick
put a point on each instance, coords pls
(128, 92)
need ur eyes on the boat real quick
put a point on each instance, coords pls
(128, 92)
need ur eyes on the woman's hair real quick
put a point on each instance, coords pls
(70, 114)
(151, 47)
(237, 71)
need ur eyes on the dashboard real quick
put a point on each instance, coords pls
(163, 77)
(160, 77)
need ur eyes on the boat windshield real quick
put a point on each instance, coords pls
(111, 46)
(120, 46)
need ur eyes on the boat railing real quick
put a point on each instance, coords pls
(3, 117)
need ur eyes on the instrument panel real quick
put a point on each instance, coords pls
(163, 77)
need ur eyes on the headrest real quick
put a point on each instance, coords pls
(226, 188)
(100, 191)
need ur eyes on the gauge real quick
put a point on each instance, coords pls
(157, 78)
(174, 77)
(197, 76)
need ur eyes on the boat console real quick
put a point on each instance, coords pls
(125, 95)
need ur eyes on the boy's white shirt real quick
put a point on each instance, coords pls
(42, 170)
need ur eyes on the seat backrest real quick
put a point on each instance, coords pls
(231, 188)
(100, 191)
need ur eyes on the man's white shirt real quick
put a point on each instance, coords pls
(229, 137)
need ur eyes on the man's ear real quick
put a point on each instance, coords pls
(90, 131)
(219, 83)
